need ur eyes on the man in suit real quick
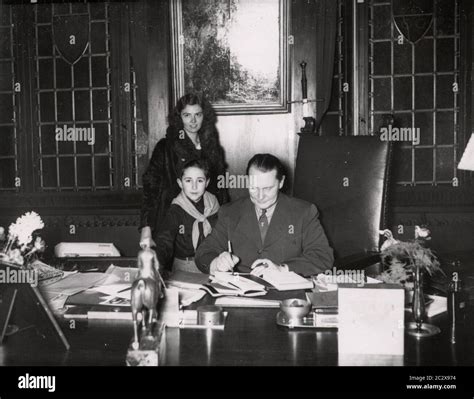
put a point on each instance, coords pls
(267, 231)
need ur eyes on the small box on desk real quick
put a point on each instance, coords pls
(371, 319)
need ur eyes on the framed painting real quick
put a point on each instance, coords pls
(233, 51)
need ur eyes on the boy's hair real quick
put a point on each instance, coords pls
(196, 163)
(267, 163)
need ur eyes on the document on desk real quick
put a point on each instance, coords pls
(115, 290)
(75, 283)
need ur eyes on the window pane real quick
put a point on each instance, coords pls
(84, 172)
(65, 146)
(63, 74)
(43, 12)
(99, 100)
(445, 17)
(48, 139)
(6, 108)
(423, 164)
(444, 163)
(382, 56)
(97, 10)
(445, 128)
(86, 136)
(99, 71)
(445, 55)
(49, 172)
(45, 41)
(101, 145)
(424, 121)
(444, 91)
(45, 73)
(5, 43)
(382, 94)
(423, 92)
(381, 22)
(424, 56)
(82, 105)
(47, 107)
(98, 37)
(81, 72)
(7, 140)
(102, 171)
(402, 58)
(402, 164)
(402, 93)
(66, 171)
(64, 106)
(5, 75)
(7, 173)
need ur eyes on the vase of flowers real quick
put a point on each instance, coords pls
(401, 258)
(22, 244)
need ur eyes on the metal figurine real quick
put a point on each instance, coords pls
(147, 290)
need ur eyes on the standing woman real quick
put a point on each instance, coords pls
(191, 134)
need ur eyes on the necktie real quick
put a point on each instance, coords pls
(263, 224)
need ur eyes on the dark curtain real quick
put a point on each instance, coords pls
(326, 26)
(139, 49)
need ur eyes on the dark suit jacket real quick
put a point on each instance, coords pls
(294, 237)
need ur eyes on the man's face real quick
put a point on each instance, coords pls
(264, 187)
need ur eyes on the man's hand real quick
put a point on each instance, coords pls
(262, 266)
(225, 262)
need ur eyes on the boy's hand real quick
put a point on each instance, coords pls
(225, 262)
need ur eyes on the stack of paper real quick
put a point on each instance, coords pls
(287, 281)
(243, 302)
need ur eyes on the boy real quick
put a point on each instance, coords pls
(189, 219)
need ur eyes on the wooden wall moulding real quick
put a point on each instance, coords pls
(74, 200)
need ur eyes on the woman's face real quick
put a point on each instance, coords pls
(192, 117)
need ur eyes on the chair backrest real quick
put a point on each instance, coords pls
(346, 177)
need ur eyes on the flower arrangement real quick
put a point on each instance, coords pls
(19, 247)
(401, 258)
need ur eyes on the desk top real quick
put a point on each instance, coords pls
(251, 337)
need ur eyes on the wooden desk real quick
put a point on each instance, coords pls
(251, 338)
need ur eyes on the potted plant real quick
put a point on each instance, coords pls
(400, 259)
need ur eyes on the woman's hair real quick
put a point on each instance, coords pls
(208, 135)
(196, 163)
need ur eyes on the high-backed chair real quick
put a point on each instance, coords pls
(346, 177)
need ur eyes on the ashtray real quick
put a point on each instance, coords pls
(295, 309)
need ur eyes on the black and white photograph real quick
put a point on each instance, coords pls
(223, 189)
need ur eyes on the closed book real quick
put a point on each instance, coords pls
(326, 319)
(189, 280)
(287, 281)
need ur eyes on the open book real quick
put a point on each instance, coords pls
(223, 284)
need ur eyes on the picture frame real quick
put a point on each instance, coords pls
(241, 63)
